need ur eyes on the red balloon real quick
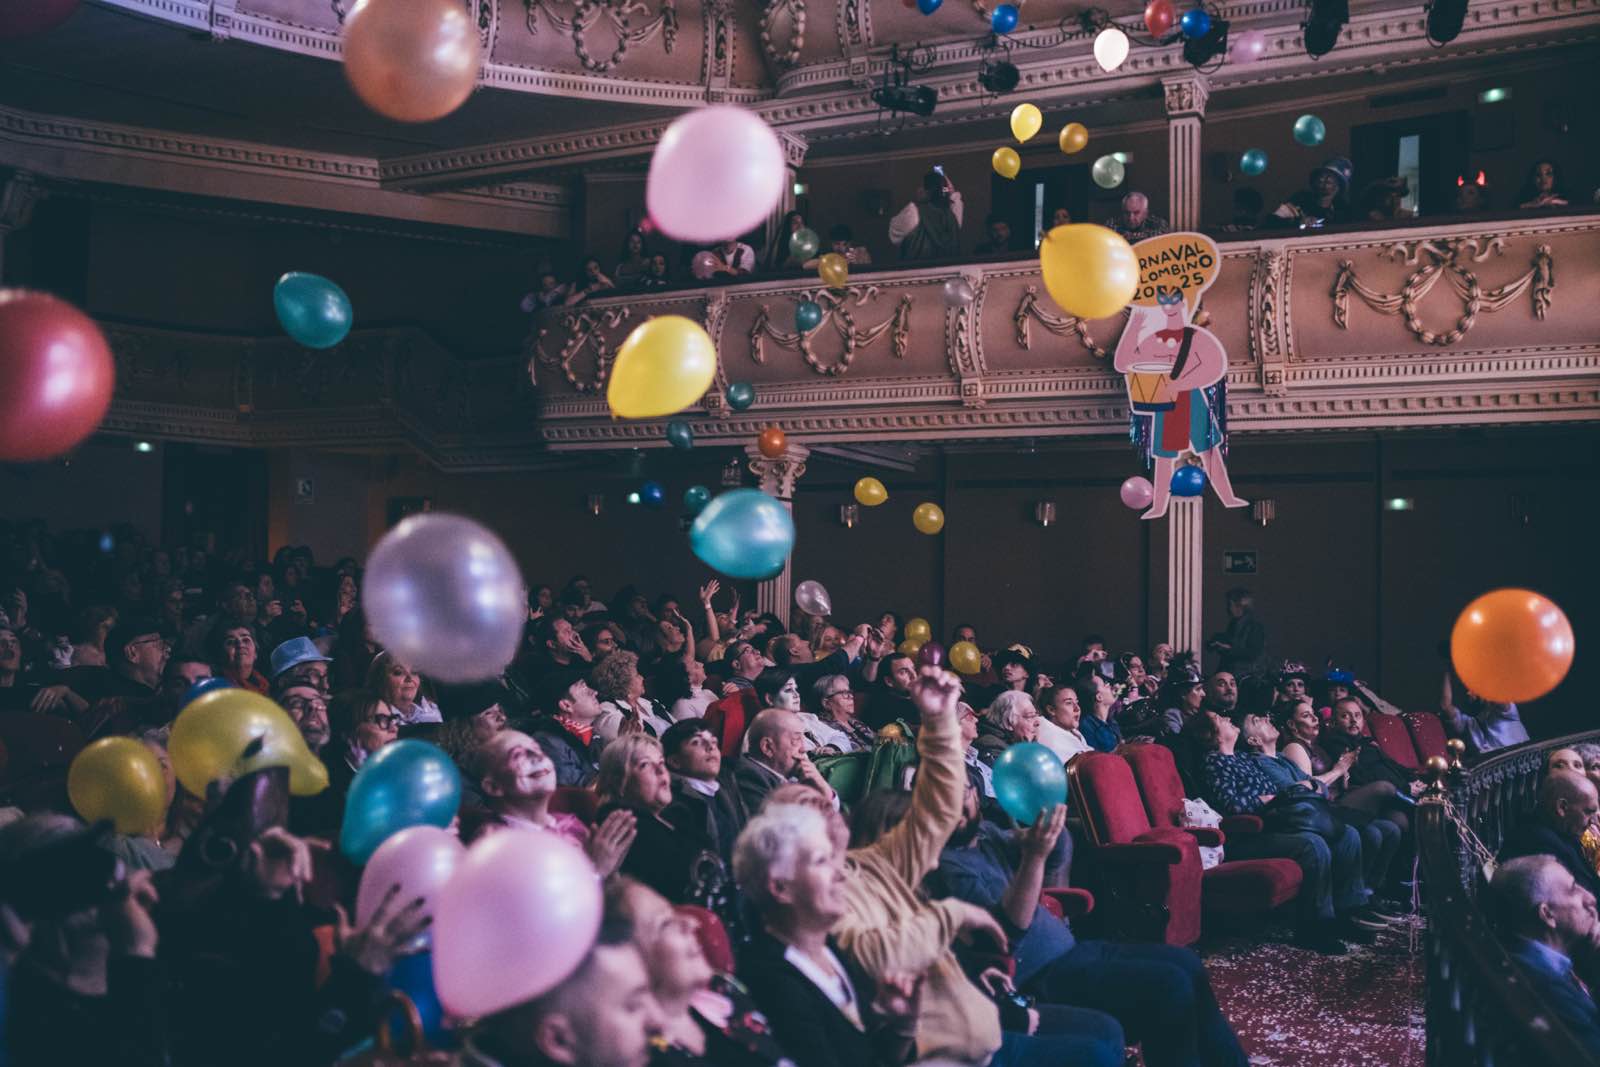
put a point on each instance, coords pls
(56, 375)
(771, 442)
(931, 654)
(1159, 17)
(23, 18)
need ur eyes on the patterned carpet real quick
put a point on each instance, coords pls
(1294, 1008)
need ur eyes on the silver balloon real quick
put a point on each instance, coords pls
(444, 595)
(813, 599)
(1108, 172)
(957, 293)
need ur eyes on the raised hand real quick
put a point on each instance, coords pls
(387, 933)
(1040, 838)
(282, 861)
(936, 692)
(708, 592)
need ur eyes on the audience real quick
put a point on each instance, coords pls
(1325, 201)
(929, 227)
(1135, 222)
(1490, 726)
(1547, 918)
(1568, 806)
(1543, 187)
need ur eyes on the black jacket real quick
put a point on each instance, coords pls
(718, 818)
(1372, 764)
(805, 1021)
(1534, 837)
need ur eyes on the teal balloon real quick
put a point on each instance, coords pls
(803, 243)
(744, 533)
(1309, 130)
(1188, 480)
(406, 783)
(807, 315)
(740, 395)
(1253, 162)
(312, 310)
(679, 435)
(695, 499)
(1028, 779)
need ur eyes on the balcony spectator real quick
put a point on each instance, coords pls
(997, 236)
(1543, 187)
(841, 242)
(929, 227)
(1547, 918)
(733, 258)
(1240, 645)
(591, 281)
(550, 293)
(1135, 222)
(634, 264)
(779, 256)
(1324, 202)
(1060, 217)
(1247, 208)
(1472, 194)
(659, 276)
(1381, 201)
(1490, 725)
(1568, 805)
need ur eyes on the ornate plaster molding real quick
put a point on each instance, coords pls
(1186, 94)
(777, 475)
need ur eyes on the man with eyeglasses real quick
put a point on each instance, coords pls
(307, 705)
(126, 693)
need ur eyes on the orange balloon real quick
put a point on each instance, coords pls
(1512, 645)
(771, 442)
(411, 60)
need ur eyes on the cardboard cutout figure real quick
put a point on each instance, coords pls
(1176, 371)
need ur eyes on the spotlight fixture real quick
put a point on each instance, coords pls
(1444, 19)
(998, 76)
(1111, 48)
(1198, 51)
(897, 94)
(1263, 512)
(1324, 24)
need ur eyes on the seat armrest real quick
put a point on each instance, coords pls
(1074, 903)
(1207, 836)
(1241, 824)
(1139, 853)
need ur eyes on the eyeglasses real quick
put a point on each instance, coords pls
(299, 706)
(386, 722)
(148, 640)
(840, 693)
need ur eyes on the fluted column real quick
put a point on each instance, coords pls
(18, 195)
(1186, 98)
(794, 155)
(777, 477)
(1185, 567)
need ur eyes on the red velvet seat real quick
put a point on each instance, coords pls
(574, 800)
(40, 749)
(1233, 886)
(1394, 739)
(712, 935)
(1427, 734)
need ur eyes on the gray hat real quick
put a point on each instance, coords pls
(293, 652)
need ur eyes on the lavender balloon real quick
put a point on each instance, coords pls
(1249, 46)
(716, 173)
(444, 595)
(1137, 492)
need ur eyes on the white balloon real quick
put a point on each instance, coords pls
(813, 598)
(444, 595)
(1110, 48)
(716, 173)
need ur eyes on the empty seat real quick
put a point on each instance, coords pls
(1427, 734)
(1394, 739)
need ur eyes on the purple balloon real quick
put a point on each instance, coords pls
(702, 265)
(1249, 46)
(931, 654)
(716, 173)
(1137, 492)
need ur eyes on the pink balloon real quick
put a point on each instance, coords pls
(1137, 492)
(516, 919)
(23, 18)
(702, 265)
(717, 172)
(419, 859)
(1249, 46)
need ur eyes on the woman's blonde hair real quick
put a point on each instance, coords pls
(616, 764)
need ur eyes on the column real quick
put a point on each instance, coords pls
(1186, 98)
(18, 195)
(794, 155)
(777, 477)
(1185, 556)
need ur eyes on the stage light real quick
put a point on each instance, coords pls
(917, 99)
(998, 76)
(1494, 96)
(1324, 25)
(143, 446)
(1110, 48)
(1199, 51)
(1444, 20)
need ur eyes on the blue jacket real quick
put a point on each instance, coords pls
(1550, 974)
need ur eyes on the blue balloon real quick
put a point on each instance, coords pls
(1253, 162)
(313, 310)
(807, 315)
(695, 499)
(679, 435)
(413, 976)
(928, 7)
(1188, 481)
(651, 494)
(1028, 779)
(406, 783)
(1004, 19)
(1195, 23)
(202, 687)
(740, 395)
(744, 533)
(1309, 130)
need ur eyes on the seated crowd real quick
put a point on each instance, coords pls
(824, 804)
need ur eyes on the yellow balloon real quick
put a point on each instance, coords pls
(909, 647)
(212, 734)
(929, 518)
(918, 630)
(120, 779)
(665, 365)
(1074, 135)
(966, 658)
(1091, 271)
(1025, 121)
(871, 492)
(834, 270)
(1006, 162)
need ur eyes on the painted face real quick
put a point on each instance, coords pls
(521, 769)
(787, 698)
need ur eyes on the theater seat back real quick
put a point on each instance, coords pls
(1156, 774)
(572, 800)
(1427, 734)
(1394, 739)
(1108, 797)
(39, 750)
(712, 935)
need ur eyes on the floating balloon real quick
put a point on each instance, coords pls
(404, 783)
(56, 376)
(418, 859)
(228, 733)
(23, 18)
(311, 309)
(695, 499)
(1090, 271)
(1159, 16)
(1249, 46)
(803, 243)
(651, 494)
(834, 270)
(928, 7)
(1137, 492)
(717, 172)
(744, 533)
(1195, 23)
(1188, 480)
(1029, 779)
(201, 688)
(1110, 48)
(1309, 130)
(1004, 19)
(807, 316)
(1512, 646)
(870, 491)
(1025, 122)
(928, 518)
(1108, 172)
(703, 265)
(740, 395)
(1006, 162)
(772, 442)
(813, 598)
(909, 647)
(931, 654)
(665, 365)
(120, 779)
(411, 60)
(1252, 162)
(1074, 135)
(679, 435)
(957, 293)
(445, 596)
(966, 658)
(918, 629)
(516, 919)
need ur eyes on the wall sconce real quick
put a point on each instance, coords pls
(597, 504)
(1263, 512)
(849, 515)
(732, 474)
(1044, 513)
